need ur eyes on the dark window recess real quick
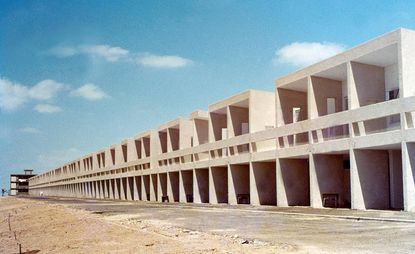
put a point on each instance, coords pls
(392, 94)
(346, 164)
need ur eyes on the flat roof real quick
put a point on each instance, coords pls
(354, 53)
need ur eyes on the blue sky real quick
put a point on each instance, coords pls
(78, 76)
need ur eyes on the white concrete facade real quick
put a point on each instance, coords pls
(339, 133)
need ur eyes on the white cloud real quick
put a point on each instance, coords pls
(89, 92)
(14, 95)
(29, 130)
(306, 53)
(47, 108)
(109, 53)
(114, 54)
(157, 61)
(45, 90)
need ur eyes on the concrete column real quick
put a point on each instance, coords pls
(143, 189)
(101, 190)
(281, 193)
(128, 189)
(408, 168)
(159, 187)
(153, 194)
(111, 188)
(135, 189)
(253, 190)
(122, 191)
(89, 191)
(311, 100)
(212, 193)
(105, 190)
(93, 193)
(182, 192)
(355, 186)
(351, 88)
(196, 190)
(315, 195)
(169, 188)
(116, 192)
(231, 188)
(97, 190)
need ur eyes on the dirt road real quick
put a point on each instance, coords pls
(53, 228)
(56, 225)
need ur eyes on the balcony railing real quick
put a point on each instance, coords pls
(311, 131)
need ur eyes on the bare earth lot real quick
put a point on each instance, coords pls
(56, 225)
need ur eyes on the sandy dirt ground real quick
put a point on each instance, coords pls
(42, 227)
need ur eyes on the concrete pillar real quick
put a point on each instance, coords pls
(143, 189)
(408, 168)
(159, 187)
(101, 190)
(116, 188)
(97, 190)
(281, 194)
(182, 193)
(169, 188)
(315, 195)
(253, 190)
(128, 189)
(351, 88)
(93, 189)
(355, 186)
(153, 187)
(231, 188)
(106, 195)
(122, 189)
(89, 191)
(111, 188)
(135, 189)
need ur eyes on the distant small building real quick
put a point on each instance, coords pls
(19, 183)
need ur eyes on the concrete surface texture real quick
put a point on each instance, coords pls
(338, 133)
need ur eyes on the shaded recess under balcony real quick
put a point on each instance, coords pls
(292, 107)
(264, 182)
(202, 185)
(375, 77)
(174, 186)
(333, 179)
(379, 172)
(219, 185)
(219, 124)
(295, 188)
(239, 192)
(187, 184)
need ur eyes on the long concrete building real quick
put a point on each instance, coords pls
(339, 133)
